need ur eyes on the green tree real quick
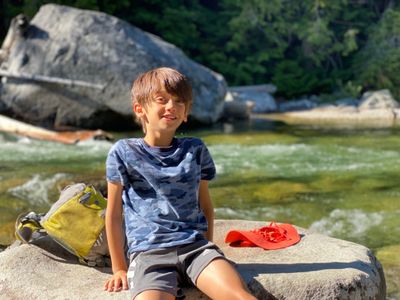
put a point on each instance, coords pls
(303, 47)
(378, 63)
(310, 41)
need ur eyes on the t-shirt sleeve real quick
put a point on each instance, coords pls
(207, 164)
(115, 167)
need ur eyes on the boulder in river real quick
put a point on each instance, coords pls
(101, 51)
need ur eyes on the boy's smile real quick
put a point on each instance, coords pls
(169, 117)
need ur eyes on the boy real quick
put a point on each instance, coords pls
(160, 184)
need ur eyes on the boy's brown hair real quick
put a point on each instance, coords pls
(146, 85)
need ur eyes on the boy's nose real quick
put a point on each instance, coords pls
(170, 104)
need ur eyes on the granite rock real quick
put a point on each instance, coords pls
(318, 267)
(96, 48)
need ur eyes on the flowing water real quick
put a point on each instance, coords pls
(340, 182)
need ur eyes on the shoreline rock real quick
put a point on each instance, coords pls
(375, 109)
(338, 116)
(260, 97)
(318, 267)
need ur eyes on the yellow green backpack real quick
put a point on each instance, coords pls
(75, 221)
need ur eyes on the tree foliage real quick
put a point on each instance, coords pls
(303, 47)
(378, 63)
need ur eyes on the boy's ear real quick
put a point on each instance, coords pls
(187, 111)
(138, 109)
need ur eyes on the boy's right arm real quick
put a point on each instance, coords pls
(115, 237)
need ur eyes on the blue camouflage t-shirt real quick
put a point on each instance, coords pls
(160, 190)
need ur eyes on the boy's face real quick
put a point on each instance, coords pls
(164, 112)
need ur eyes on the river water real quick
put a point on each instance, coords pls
(340, 182)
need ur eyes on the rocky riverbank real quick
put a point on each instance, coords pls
(373, 109)
(57, 76)
(318, 267)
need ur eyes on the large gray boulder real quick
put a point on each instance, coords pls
(93, 47)
(318, 267)
(382, 99)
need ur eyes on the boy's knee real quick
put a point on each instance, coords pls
(154, 294)
(243, 295)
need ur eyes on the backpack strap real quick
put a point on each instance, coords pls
(28, 228)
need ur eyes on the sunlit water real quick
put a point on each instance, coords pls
(343, 183)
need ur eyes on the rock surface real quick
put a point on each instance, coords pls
(382, 99)
(318, 267)
(93, 47)
(375, 109)
(237, 110)
(260, 95)
(293, 105)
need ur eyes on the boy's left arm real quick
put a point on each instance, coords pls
(207, 207)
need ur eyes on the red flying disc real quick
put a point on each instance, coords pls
(274, 236)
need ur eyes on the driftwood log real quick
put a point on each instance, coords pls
(67, 137)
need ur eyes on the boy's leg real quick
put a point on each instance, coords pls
(220, 280)
(154, 295)
(211, 272)
(152, 275)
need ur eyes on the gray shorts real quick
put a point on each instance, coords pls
(168, 269)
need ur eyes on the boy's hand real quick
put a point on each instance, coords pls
(117, 282)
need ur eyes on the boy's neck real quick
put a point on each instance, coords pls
(158, 140)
